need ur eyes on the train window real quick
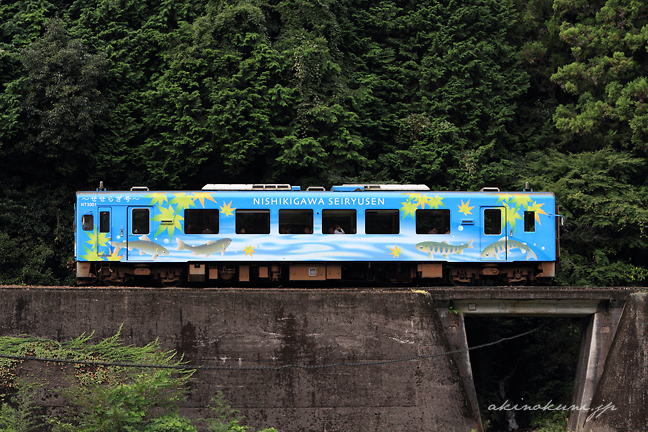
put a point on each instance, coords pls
(296, 221)
(382, 222)
(344, 219)
(104, 221)
(201, 221)
(140, 221)
(87, 222)
(432, 221)
(493, 221)
(529, 221)
(252, 221)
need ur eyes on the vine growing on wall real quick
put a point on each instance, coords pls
(108, 396)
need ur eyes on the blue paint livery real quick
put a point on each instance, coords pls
(114, 236)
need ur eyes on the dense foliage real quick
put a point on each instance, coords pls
(101, 397)
(456, 95)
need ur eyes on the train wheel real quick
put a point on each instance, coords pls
(112, 282)
(171, 278)
(461, 277)
(461, 282)
(83, 281)
(516, 278)
(111, 277)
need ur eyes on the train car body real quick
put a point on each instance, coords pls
(256, 233)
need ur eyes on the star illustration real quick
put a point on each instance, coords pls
(114, 256)
(91, 254)
(511, 216)
(97, 238)
(202, 196)
(421, 200)
(226, 209)
(503, 198)
(435, 202)
(157, 198)
(249, 250)
(409, 208)
(183, 201)
(395, 251)
(521, 200)
(538, 211)
(168, 219)
(463, 208)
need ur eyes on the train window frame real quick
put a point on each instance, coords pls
(489, 226)
(87, 222)
(529, 221)
(137, 222)
(433, 221)
(246, 218)
(203, 221)
(373, 225)
(296, 221)
(347, 219)
(104, 221)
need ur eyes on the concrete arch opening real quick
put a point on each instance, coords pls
(596, 312)
(520, 383)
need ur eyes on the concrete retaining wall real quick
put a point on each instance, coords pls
(277, 327)
(620, 403)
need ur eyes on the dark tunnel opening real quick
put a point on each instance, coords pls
(536, 372)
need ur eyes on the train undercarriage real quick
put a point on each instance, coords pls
(283, 274)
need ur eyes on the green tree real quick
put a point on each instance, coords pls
(603, 197)
(34, 242)
(176, 94)
(134, 36)
(536, 35)
(61, 99)
(444, 77)
(606, 77)
(231, 78)
(324, 133)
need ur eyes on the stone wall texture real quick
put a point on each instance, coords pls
(267, 328)
(620, 403)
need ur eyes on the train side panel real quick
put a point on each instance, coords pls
(479, 229)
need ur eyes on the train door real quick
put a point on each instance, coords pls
(494, 234)
(105, 232)
(140, 247)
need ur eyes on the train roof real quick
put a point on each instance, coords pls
(355, 187)
(342, 188)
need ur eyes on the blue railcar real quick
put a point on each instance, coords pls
(255, 233)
